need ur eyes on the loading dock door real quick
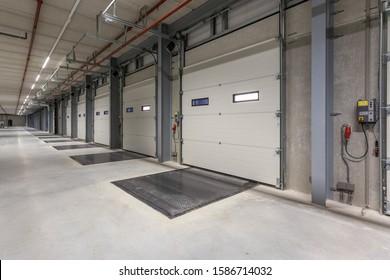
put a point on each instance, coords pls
(81, 117)
(230, 113)
(68, 120)
(102, 116)
(139, 122)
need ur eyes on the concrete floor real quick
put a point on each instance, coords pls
(51, 207)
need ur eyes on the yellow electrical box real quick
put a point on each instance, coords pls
(366, 111)
(363, 103)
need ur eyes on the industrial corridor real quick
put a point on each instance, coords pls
(195, 130)
(52, 207)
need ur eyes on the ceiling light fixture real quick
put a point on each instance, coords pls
(46, 61)
(37, 77)
(33, 86)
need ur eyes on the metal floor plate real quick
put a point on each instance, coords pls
(72, 147)
(40, 134)
(50, 137)
(59, 141)
(106, 157)
(177, 192)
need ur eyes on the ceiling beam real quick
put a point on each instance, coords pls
(3, 109)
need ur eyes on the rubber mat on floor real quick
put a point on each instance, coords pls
(59, 141)
(105, 157)
(72, 147)
(177, 192)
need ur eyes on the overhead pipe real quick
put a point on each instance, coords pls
(151, 10)
(36, 19)
(132, 39)
(76, 4)
(109, 6)
(68, 20)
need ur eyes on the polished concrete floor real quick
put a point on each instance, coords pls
(51, 207)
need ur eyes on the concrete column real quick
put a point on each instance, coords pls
(115, 106)
(73, 121)
(322, 101)
(164, 99)
(89, 99)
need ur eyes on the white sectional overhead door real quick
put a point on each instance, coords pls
(68, 120)
(81, 117)
(102, 116)
(139, 122)
(230, 113)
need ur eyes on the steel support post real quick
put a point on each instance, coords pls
(283, 129)
(322, 101)
(164, 99)
(57, 116)
(64, 104)
(74, 97)
(115, 104)
(51, 110)
(89, 100)
(383, 105)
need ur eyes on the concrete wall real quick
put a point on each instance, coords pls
(16, 120)
(349, 86)
(141, 75)
(298, 98)
(252, 34)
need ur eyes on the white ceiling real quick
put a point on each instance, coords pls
(17, 17)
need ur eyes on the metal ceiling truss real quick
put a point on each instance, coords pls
(126, 44)
(72, 79)
(112, 18)
(114, 41)
(77, 69)
(71, 56)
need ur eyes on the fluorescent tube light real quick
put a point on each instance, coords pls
(46, 61)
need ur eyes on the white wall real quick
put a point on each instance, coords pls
(16, 120)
